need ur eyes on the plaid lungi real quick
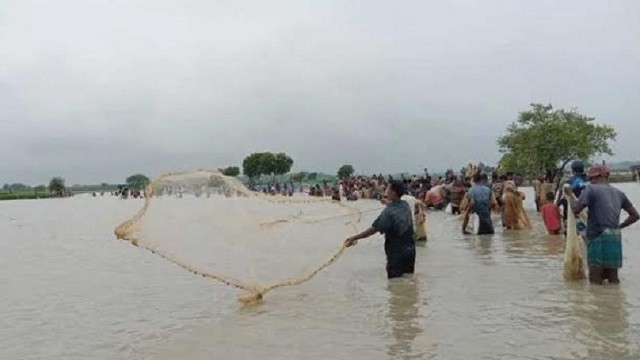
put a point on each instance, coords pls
(606, 250)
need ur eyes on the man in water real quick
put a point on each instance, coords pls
(396, 223)
(480, 199)
(604, 241)
(578, 181)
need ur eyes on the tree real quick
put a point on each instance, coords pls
(19, 187)
(137, 181)
(256, 165)
(298, 177)
(282, 164)
(40, 188)
(6, 187)
(345, 171)
(56, 185)
(266, 163)
(312, 176)
(545, 140)
(230, 171)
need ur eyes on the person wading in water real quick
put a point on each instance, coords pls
(604, 241)
(396, 223)
(578, 181)
(480, 203)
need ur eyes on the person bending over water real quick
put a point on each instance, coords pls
(396, 223)
(604, 241)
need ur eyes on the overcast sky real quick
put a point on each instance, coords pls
(96, 90)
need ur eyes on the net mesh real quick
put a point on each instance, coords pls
(213, 226)
(573, 256)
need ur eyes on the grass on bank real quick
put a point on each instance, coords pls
(25, 195)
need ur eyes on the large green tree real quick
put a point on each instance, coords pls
(257, 164)
(345, 171)
(57, 186)
(138, 181)
(545, 140)
(282, 164)
(265, 163)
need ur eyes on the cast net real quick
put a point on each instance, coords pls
(215, 227)
(573, 254)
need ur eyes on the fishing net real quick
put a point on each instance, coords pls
(515, 217)
(213, 226)
(573, 255)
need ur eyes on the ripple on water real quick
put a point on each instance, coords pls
(70, 291)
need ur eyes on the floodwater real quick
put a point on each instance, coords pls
(71, 291)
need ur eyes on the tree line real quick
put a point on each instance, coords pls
(542, 140)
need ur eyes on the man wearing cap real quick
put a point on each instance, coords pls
(396, 223)
(604, 241)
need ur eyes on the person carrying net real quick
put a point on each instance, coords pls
(604, 241)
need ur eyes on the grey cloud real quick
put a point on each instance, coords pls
(94, 91)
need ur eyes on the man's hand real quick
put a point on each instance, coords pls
(567, 191)
(351, 241)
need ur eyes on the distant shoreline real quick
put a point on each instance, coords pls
(25, 195)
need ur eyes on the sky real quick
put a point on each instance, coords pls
(97, 90)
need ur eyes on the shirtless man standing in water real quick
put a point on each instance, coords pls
(396, 223)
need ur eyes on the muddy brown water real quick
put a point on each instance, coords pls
(71, 291)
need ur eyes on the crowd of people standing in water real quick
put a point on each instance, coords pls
(479, 196)
(124, 193)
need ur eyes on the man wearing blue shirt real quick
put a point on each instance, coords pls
(480, 198)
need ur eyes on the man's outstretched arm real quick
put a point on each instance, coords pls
(365, 234)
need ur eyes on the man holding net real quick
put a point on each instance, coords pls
(604, 241)
(396, 223)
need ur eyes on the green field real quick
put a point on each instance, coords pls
(25, 194)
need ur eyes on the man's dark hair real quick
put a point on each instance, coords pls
(397, 187)
(484, 177)
(477, 178)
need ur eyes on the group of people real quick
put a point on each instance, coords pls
(126, 192)
(591, 192)
(277, 188)
(583, 191)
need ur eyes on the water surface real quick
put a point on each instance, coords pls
(70, 290)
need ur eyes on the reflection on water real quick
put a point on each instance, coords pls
(555, 244)
(404, 317)
(70, 291)
(602, 320)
